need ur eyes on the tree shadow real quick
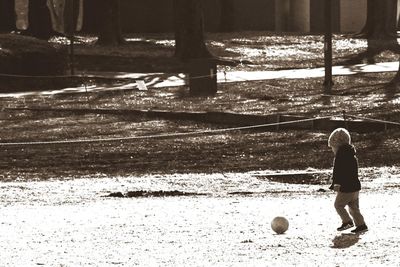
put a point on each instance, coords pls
(392, 87)
(326, 99)
(345, 240)
(168, 79)
(117, 84)
(375, 47)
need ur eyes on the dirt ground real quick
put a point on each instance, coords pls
(71, 223)
(53, 202)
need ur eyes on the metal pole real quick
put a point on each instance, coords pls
(328, 83)
(71, 38)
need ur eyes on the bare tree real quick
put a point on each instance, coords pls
(40, 24)
(71, 11)
(380, 31)
(89, 16)
(227, 20)
(189, 30)
(381, 20)
(7, 16)
(109, 31)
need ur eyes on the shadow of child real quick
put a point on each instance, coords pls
(345, 240)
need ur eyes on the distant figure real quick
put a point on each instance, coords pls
(345, 181)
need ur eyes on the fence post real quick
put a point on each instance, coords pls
(71, 39)
(328, 83)
(345, 120)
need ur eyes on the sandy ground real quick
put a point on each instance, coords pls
(71, 223)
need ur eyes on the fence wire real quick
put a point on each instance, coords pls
(158, 136)
(189, 134)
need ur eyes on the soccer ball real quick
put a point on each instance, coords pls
(279, 225)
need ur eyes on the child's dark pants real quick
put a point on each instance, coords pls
(351, 200)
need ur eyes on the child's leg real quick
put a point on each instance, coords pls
(342, 199)
(354, 209)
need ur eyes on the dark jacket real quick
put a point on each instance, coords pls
(345, 169)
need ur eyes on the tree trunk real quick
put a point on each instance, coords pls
(90, 15)
(109, 21)
(381, 20)
(7, 16)
(227, 20)
(71, 16)
(189, 30)
(40, 25)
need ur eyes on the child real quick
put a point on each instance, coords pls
(345, 181)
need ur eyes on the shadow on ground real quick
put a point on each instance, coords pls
(345, 240)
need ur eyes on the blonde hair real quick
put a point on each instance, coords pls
(338, 137)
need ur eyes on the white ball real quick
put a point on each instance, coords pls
(279, 225)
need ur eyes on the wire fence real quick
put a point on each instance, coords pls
(187, 78)
(277, 126)
(374, 120)
(167, 135)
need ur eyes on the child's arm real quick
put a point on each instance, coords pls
(339, 170)
(336, 187)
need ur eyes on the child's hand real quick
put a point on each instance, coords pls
(336, 187)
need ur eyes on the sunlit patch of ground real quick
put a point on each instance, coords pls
(260, 50)
(72, 223)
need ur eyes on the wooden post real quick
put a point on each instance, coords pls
(71, 38)
(345, 120)
(328, 83)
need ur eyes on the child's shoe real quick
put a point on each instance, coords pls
(360, 229)
(345, 226)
